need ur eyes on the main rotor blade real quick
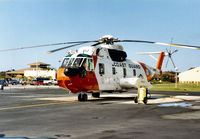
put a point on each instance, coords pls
(45, 45)
(96, 44)
(55, 50)
(160, 43)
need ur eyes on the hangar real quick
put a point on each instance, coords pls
(190, 76)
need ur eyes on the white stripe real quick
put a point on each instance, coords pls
(160, 43)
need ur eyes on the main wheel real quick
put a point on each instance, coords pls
(80, 96)
(96, 95)
(145, 100)
(136, 99)
(84, 97)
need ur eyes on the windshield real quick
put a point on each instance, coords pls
(87, 63)
(73, 62)
(78, 62)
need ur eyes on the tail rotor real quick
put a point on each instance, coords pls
(169, 53)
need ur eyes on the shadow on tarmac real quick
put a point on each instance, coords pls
(110, 99)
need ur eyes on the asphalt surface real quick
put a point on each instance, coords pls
(52, 112)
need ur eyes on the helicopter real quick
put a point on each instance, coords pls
(104, 67)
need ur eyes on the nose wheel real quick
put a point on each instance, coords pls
(82, 97)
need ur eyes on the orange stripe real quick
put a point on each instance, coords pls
(160, 61)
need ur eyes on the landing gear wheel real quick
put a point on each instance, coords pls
(96, 95)
(82, 97)
(136, 99)
(145, 100)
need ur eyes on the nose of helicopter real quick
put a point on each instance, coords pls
(70, 82)
(61, 77)
(84, 81)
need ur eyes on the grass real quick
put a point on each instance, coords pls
(180, 87)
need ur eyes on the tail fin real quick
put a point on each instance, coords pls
(160, 60)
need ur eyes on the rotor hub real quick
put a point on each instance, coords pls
(108, 39)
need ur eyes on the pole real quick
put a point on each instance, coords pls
(36, 66)
(176, 80)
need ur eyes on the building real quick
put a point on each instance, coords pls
(15, 73)
(38, 69)
(190, 76)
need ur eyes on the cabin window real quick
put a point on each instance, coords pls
(148, 72)
(124, 72)
(101, 69)
(134, 72)
(90, 66)
(113, 70)
(117, 55)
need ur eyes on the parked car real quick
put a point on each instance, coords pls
(55, 82)
(13, 82)
(25, 82)
(3, 82)
(39, 81)
(50, 82)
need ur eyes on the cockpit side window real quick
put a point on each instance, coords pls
(84, 63)
(90, 65)
(65, 62)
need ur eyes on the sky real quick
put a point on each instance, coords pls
(34, 22)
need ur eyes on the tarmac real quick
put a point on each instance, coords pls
(53, 113)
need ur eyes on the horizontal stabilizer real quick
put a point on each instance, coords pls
(148, 53)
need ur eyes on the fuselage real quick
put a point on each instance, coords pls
(103, 69)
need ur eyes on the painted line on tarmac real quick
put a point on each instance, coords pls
(37, 105)
(175, 94)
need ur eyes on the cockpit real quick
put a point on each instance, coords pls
(81, 61)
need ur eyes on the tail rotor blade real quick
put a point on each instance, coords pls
(173, 64)
(174, 51)
(167, 50)
(167, 62)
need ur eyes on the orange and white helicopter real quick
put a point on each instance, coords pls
(104, 67)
